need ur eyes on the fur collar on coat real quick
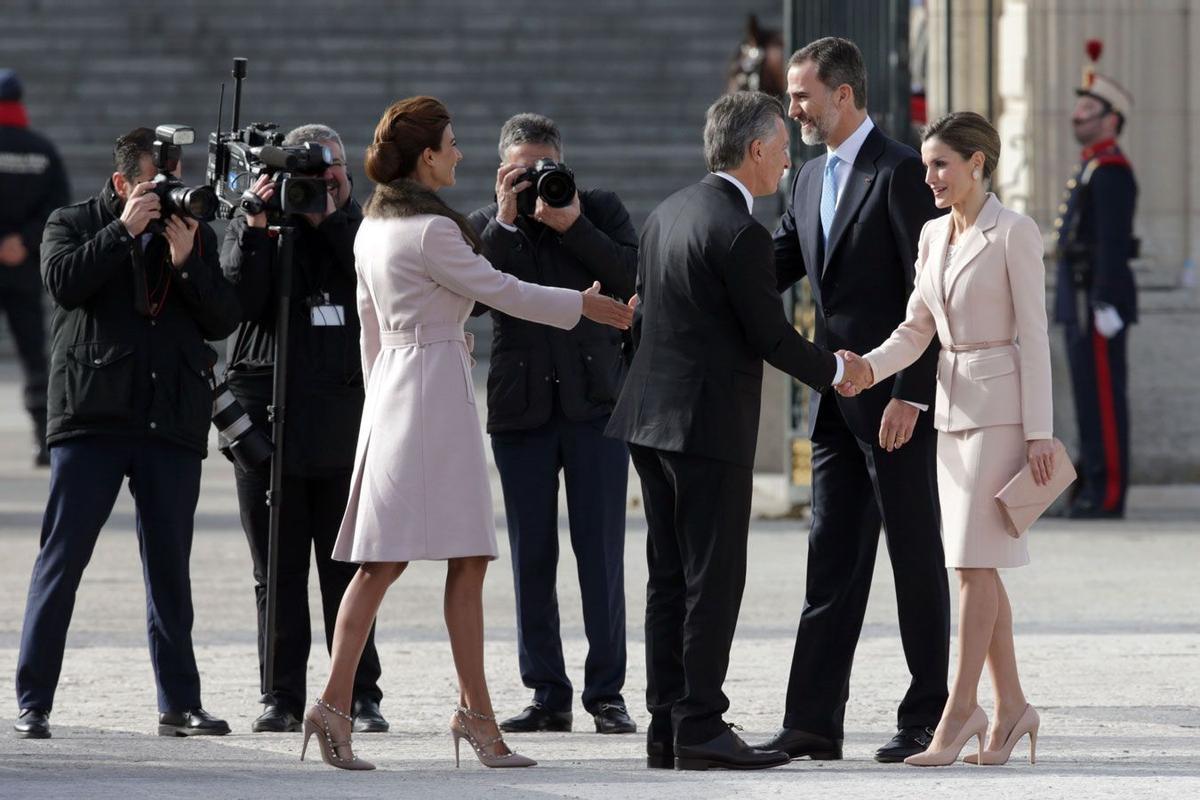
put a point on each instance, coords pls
(408, 198)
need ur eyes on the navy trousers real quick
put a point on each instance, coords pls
(596, 472)
(312, 513)
(85, 478)
(1100, 384)
(23, 307)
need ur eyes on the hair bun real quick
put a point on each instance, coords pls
(382, 162)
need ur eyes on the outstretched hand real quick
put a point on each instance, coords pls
(605, 310)
(857, 375)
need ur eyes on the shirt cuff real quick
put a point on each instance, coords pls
(841, 370)
(506, 226)
(918, 406)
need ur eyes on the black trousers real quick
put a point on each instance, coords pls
(85, 478)
(23, 307)
(596, 472)
(312, 513)
(856, 486)
(1100, 385)
(698, 520)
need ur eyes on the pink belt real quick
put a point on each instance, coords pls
(967, 348)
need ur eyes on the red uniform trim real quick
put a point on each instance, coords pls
(12, 114)
(1099, 147)
(1108, 424)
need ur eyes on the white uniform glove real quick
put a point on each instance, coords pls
(1108, 321)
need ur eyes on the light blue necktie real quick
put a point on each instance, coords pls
(829, 195)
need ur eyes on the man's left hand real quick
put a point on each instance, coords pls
(557, 218)
(12, 250)
(181, 236)
(899, 421)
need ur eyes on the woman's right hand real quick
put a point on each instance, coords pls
(605, 310)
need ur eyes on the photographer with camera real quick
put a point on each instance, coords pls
(130, 393)
(550, 393)
(324, 406)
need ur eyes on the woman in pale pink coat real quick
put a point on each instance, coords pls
(420, 488)
(981, 288)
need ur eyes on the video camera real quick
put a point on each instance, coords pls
(237, 157)
(175, 198)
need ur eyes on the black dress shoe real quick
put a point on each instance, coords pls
(727, 751)
(367, 717)
(613, 718)
(276, 719)
(32, 723)
(799, 744)
(196, 722)
(907, 742)
(537, 717)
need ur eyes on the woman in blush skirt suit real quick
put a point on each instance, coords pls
(980, 288)
(420, 487)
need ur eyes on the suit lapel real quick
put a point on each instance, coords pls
(937, 266)
(809, 225)
(858, 186)
(972, 244)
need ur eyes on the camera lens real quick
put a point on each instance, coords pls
(556, 189)
(199, 202)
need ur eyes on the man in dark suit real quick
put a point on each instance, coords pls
(852, 225)
(709, 315)
(549, 396)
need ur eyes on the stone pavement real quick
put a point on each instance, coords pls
(1107, 630)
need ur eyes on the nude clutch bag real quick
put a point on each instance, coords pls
(1022, 501)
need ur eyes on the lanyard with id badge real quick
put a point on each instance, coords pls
(323, 313)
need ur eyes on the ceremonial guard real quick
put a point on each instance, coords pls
(1096, 299)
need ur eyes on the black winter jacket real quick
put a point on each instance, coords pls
(530, 363)
(325, 381)
(113, 370)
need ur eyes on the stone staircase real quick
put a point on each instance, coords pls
(627, 80)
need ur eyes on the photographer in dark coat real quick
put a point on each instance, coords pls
(130, 394)
(550, 394)
(32, 184)
(324, 406)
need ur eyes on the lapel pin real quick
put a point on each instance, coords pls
(868, 179)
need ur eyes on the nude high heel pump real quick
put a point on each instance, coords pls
(1027, 724)
(334, 753)
(459, 730)
(975, 726)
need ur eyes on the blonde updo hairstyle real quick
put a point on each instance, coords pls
(967, 133)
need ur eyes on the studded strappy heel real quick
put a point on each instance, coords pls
(334, 753)
(459, 730)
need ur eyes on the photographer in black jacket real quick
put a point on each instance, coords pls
(130, 394)
(325, 399)
(550, 394)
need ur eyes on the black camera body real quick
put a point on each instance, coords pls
(237, 159)
(176, 199)
(551, 180)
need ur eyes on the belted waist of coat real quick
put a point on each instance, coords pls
(427, 334)
(969, 348)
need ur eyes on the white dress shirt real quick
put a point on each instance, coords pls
(841, 367)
